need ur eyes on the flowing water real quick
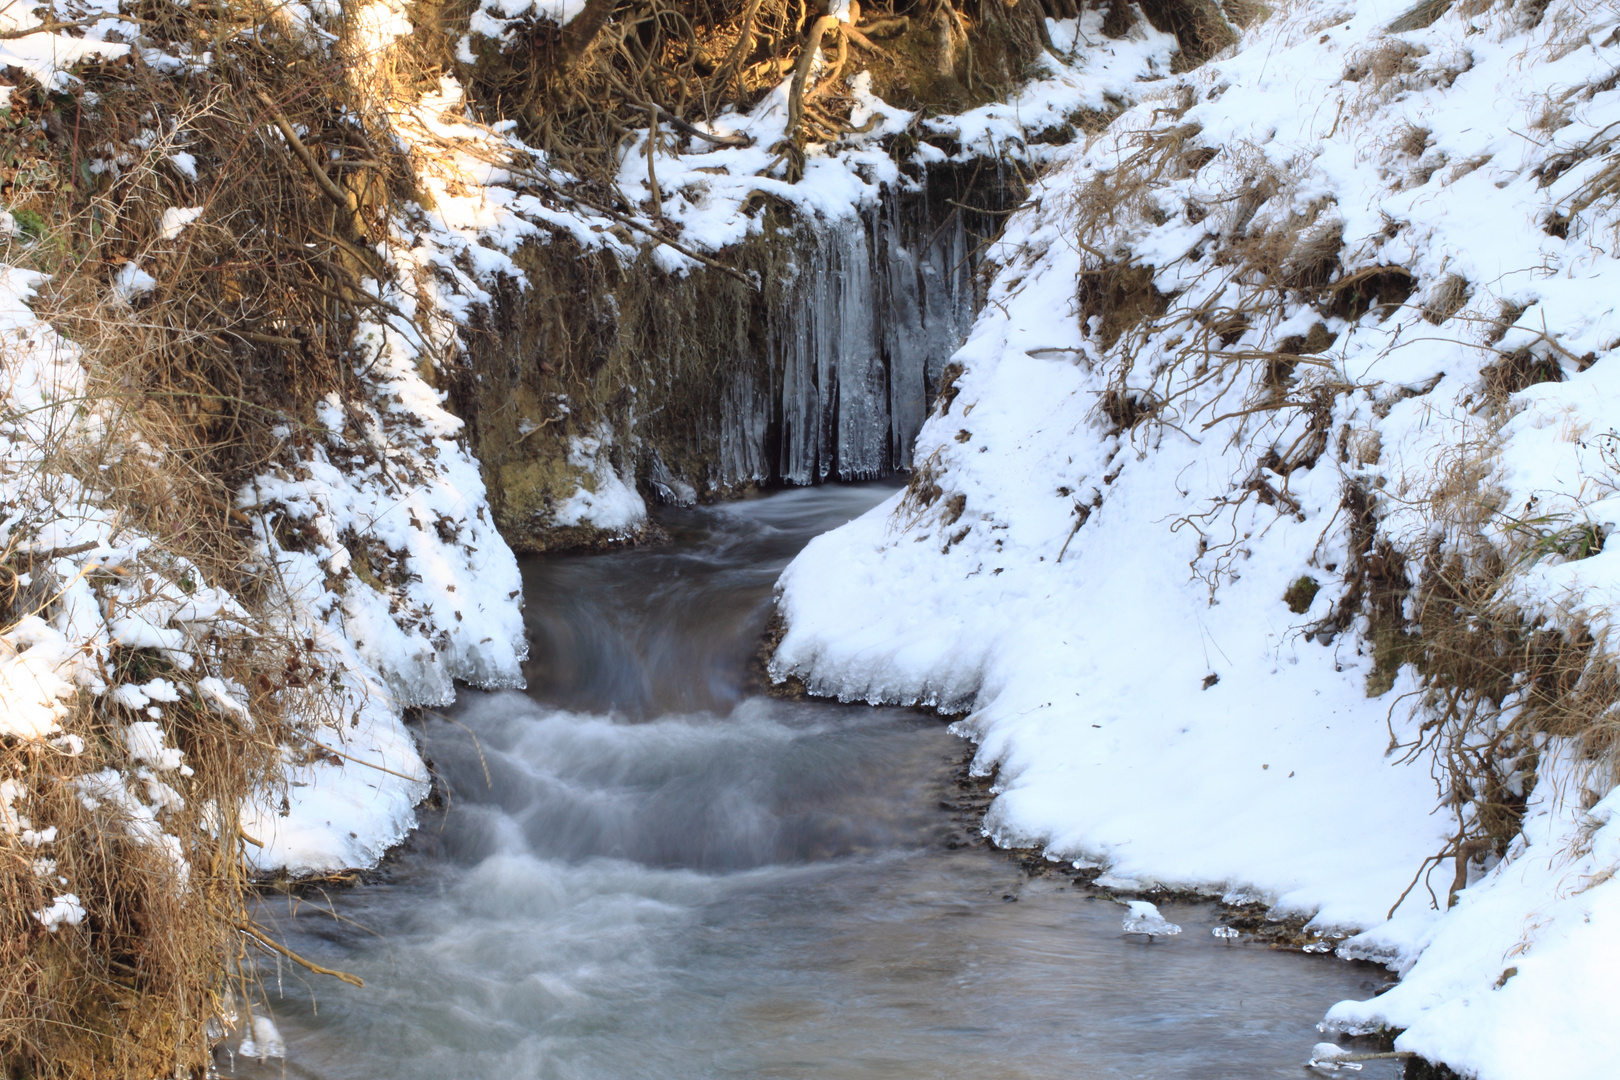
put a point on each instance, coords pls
(647, 870)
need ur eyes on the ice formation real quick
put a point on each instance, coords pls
(1142, 917)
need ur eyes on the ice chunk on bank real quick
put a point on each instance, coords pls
(264, 1041)
(1144, 918)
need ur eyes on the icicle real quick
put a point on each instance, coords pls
(863, 331)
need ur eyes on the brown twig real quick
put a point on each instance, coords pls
(275, 946)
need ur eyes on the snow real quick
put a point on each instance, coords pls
(263, 1041)
(145, 739)
(1106, 606)
(1521, 978)
(175, 218)
(1105, 742)
(131, 281)
(64, 909)
(186, 165)
(48, 57)
(495, 18)
(35, 662)
(606, 501)
(348, 807)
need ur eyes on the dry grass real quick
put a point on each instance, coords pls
(1202, 27)
(249, 323)
(129, 990)
(1446, 298)
(1376, 66)
(579, 92)
(1494, 686)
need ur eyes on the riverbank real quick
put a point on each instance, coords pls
(1250, 535)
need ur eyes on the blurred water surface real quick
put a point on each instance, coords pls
(645, 870)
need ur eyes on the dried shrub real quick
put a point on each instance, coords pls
(1516, 371)
(1466, 166)
(1412, 139)
(922, 487)
(1493, 686)
(1385, 288)
(1115, 298)
(248, 322)
(1313, 259)
(1126, 408)
(1200, 27)
(1600, 189)
(1376, 66)
(578, 91)
(948, 388)
(1243, 14)
(1422, 14)
(1446, 298)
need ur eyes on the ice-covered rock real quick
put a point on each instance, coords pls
(264, 1041)
(1144, 918)
(1333, 1057)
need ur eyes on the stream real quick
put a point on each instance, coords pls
(644, 869)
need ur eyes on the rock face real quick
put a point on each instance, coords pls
(613, 380)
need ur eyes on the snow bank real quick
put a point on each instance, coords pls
(1086, 677)
(48, 57)
(374, 526)
(1522, 976)
(1126, 550)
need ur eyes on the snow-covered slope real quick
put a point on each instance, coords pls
(1282, 330)
(372, 525)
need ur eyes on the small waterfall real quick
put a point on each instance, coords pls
(855, 349)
